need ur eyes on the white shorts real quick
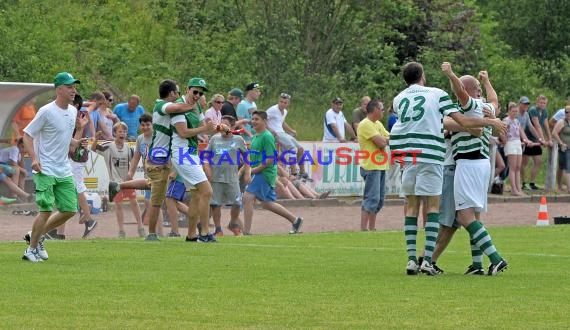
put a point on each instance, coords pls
(471, 184)
(287, 142)
(78, 170)
(422, 179)
(513, 148)
(189, 170)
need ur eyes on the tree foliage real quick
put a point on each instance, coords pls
(313, 49)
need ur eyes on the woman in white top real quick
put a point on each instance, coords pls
(513, 149)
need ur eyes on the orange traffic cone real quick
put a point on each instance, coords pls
(542, 219)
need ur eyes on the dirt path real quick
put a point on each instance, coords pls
(317, 219)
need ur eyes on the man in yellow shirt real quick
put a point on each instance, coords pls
(373, 138)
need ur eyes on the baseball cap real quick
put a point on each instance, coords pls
(64, 78)
(524, 100)
(337, 100)
(197, 82)
(252, 86)
(236, 92)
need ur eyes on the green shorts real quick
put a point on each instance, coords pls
(51, 191)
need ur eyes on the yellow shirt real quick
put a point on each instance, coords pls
(366, 130)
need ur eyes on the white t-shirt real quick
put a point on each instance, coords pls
(332, 117)
(52, 128)
(559, 115)
(10, 154)
(275, 119)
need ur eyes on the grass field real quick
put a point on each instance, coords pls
(348, 280)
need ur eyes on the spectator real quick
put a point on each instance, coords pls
(234, 98)
(118, 156)
(392, 118)
(129, 113)
(559, 115)
(13, 158)
(284, 134)
(99, 123)
(335, 125)
(359, 113)
(372, 136)
(22, 118)
(513, 149)
(539, 120)
(561, 133)
(214, 112)
(247, 106)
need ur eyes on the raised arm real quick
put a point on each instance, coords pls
(456, 84)
(492, 97)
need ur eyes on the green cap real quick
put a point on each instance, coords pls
(64, 78)
(197, 82)
(236, 92)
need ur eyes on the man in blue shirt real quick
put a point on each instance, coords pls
(129, 113)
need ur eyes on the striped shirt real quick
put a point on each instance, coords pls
(162, 134)
(463, 142)
(419, 127)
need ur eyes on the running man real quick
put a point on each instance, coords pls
(47, 140)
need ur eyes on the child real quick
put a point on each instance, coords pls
(224, 175)
(118, 156)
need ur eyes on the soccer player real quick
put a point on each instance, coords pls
(418, 134)
(473, 169)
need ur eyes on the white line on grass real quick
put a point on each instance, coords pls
(328, 247)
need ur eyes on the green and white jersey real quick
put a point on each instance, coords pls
(182, 144)
(463, 142)
(419, 129)
(161, 135)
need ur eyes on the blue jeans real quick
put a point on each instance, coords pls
(374, 190)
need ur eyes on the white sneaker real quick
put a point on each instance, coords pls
(428, 269)
(42, 253)
(412, 268)
(31, 255)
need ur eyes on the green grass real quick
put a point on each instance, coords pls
(329, 280)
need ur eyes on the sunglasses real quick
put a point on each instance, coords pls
(110, 100)
(285, 96)
(218, 102)
(197, 93)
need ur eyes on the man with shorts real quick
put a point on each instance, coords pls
(539, 121)
(47, 140)
(284, 134)
(185, 161)
(473, 169)
(263, 175)
(158, 164)
(372, 137)
(447, 215)
(221, 161)
(417, 136)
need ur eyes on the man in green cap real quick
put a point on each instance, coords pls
(158, 163)
(47, 139)
(186, 162)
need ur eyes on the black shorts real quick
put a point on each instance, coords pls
(533, 151)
